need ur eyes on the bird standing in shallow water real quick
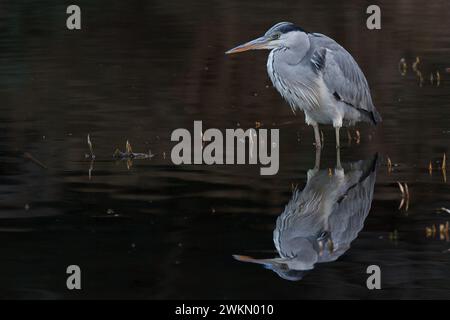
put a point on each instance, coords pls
(316, 75)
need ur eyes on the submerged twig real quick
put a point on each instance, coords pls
(417, 71)
(28, 156)
(91, 168)
(444, 167)
(91, 154)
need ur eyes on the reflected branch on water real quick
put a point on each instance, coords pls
(435, 76)
(404, 203)
(30, 157)
(130, 155)
(431, 232)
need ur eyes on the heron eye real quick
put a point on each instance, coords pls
(276, 36)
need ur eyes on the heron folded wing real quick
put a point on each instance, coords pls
(344, 78)
(350, 211)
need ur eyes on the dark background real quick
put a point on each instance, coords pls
(140, 69)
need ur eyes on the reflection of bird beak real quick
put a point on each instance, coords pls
(268, 263)
(260, 43)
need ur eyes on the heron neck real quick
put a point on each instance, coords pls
(294, 55)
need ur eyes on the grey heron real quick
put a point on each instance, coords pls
(316, 75)
(319, 223)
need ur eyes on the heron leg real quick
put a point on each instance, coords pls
(317, 136)
(338, 159)
(317, 163)
(311, 173)
(338, 143)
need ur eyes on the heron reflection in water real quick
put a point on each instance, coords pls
(320, 222)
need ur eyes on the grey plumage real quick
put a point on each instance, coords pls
(316, 75)
(330, 209)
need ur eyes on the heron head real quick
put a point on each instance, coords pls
(285, 268)
(283, 34)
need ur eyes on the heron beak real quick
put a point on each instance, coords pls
(260, 43)
(267, 263)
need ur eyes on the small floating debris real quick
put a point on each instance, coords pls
(443, 231)
(129, 154)
(405, 196)
(417, 71)
(432, 231)
(110, 214)
(358, 137)
(415, 64)
(393, 236)
(257, 124)
(389, 165)
(403, 67)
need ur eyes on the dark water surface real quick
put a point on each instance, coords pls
(140, 69)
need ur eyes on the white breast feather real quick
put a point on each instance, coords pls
(299, 95)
